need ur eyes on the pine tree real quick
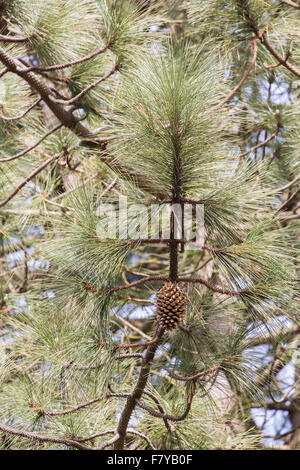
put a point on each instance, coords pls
(134, 341)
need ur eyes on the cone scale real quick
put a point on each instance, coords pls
(171, 302)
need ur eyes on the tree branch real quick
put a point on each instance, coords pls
(136, 345)
(98, 51)
(137, 392)
(3, 72)
(193, 377)
(20, 116)
(104, 433)
(265, 142)
(282, 60)
(137, 283)
(28, 178)
(92, 436)
(78, 407)
(108, 443)
(146, 279)
(265, 42)
(166, 415)
(292, 4)
(274, 66)
(288, 185)
(286, 333)
(245, 76)
(13, 38)
(66, 117)
(39, 437)
(209, 286)
(287, 204)
(160, 409)
(272, 406)
(21, 154)
(281, 436)
(88, 88)
(143, 436)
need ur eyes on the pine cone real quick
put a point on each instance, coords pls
(171, 303)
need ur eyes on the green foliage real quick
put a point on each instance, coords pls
(52, 25)
(171, 121)
(167, 118)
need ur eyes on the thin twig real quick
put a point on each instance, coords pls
(109, 187)
(262, 144)
(265, 42)
(137, 283)
(66, 193)
(28, 178)
(143, 436)
(245, 76)
(275, 154)
(143, 302)
(136, 345)
(32, 175)
(274, 66)
(28, 149)
(292, 4)
(146, 279)
(88, 88)
(98, 51)
(288, 185)
(160, 408)
(281, 60)
(281, 436)
(13, 38)
(126, 356)
(52, 203)
(204, 373)
(285, 396)
(38, 437)
(134, 328)
(93, 436)
(166, 415)
(20, 116)
(3, 72)
(295, 193)
(79, 407)
(108, 443)
(161, 240)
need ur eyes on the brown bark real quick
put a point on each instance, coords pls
(137, 391)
